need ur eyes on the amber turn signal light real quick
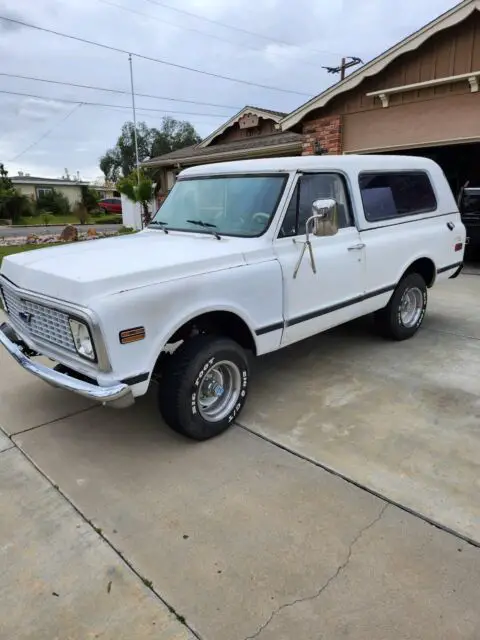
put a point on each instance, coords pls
(132, 335)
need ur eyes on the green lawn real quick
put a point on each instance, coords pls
(32, 220)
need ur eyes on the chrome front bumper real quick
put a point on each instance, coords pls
(119, 395)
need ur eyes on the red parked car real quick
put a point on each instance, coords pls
(111, 205)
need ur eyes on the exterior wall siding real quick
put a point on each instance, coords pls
(234, 133)
(428, 115)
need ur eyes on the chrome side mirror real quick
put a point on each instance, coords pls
(323, 221)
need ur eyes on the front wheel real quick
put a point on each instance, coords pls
(404, 314)
(204, 386)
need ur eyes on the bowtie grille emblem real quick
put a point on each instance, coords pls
(25, 316)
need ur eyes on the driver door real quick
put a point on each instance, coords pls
(314, 302)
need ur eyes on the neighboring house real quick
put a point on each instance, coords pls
(106, 192)
(419, 97)
(34, 187)
(251, 133)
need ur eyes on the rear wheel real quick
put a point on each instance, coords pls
(204, 386)
(404, 314)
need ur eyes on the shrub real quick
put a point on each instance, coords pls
(14, 205)
(81, 213)
(46, 218)
(125, 230)
(54, 202)
(111, 220)
(90, 198)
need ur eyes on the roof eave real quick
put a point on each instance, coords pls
(247, 109)
(296, 145)
(410, 43)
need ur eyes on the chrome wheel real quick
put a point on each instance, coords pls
(219, 391)
(411, 307)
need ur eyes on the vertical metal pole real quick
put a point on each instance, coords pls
(134, 118)
(342, 70)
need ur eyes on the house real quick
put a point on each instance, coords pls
(251, 133)
(34, 187)
(420, 97)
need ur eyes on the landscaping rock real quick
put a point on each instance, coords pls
(32, 239)
(92, 232)
(69, 234)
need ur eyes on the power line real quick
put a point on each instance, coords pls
(151, 59)
(44, 135)
(202, 33)
(172, 24)
(120, 91)
(234, 28)
(109, 106)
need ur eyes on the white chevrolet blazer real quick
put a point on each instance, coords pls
(246, 256)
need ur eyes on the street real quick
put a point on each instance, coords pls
(309, 519)
(9, 231)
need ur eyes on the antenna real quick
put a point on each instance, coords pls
(347, 62)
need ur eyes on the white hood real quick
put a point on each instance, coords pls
(79, 271)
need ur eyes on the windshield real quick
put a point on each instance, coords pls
(225, 205)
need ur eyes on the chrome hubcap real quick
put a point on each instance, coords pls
(411, 307)
(219, 391)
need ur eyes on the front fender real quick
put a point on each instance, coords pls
(253, 292)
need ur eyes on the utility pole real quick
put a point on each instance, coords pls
(347, 62)
(134, 118)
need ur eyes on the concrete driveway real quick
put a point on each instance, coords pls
(246, 536)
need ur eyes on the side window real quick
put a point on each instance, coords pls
(311, 187)
(396, 194)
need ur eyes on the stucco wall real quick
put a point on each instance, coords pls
(72, 192)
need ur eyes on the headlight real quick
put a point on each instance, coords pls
(82, 339)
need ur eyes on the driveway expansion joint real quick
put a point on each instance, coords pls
(329, 581)
(148, 583)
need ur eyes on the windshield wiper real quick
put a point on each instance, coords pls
(160, 223)
(206, 225)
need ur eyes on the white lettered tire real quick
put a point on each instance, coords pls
(403, 316)
(204, 386)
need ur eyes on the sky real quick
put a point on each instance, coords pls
(43, 136)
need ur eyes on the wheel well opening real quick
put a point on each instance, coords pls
(224, 323)
(424, 267)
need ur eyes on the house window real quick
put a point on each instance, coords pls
(389, 195)
(43, 191)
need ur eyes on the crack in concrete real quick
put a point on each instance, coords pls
(148, 583)
(7, 449)
(45, 424)
(326, 584)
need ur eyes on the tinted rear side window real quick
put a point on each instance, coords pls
(396, 194)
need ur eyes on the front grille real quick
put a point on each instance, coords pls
(38, 321)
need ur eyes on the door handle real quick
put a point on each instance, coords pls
(357, 247)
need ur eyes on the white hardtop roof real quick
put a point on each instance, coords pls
(313, 163)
